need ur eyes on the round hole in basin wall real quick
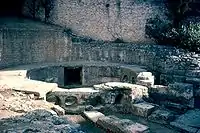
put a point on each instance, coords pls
(50, 97)
(70, 100)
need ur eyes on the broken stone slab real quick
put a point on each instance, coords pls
(188, 122)
(93, 115)
(38, 88)
(142, 109)
(59, 110)
(161, 116)
(116, 125)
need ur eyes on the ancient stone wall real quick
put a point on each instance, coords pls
(168, 63)
(101, 19)
(25, 46)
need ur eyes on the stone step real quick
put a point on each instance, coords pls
(142, 109)
(116, 125)
(179, 108)
(161, 116)
(93, 115)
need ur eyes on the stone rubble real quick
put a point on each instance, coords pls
(39, 121)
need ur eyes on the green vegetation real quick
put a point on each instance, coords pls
(182, 29)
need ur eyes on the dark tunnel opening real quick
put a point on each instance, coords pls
(72, 76)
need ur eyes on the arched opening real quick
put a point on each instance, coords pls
(133, 80)
(118, 99)
(125, 78)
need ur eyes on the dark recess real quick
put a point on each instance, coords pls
(72, 76)
(11, 8)
(118, 99)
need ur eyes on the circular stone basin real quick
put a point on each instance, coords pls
(78, 74)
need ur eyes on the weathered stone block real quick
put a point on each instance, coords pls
(136, 91)
(116, 125)
(93, 115)
(142, 109)
(161, 116)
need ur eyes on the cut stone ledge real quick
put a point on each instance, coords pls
(142, 109)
